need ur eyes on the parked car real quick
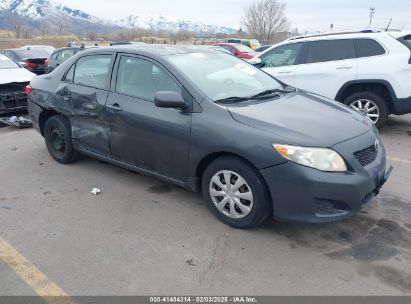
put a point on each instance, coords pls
(369, 70)
(13, 81)
(47, 48)
(116, 43)
(32, 59)
(263, 48)
(212, 47)
(238, 50)
(210, 122)
(59, 56)
(251, 43)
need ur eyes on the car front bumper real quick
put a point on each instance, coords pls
(303, 194)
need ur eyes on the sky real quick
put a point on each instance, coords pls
(311, 15)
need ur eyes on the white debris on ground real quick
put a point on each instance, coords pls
(95, 191)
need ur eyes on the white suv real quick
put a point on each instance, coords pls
(368, 70)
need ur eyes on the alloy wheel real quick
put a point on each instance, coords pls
(368, 108)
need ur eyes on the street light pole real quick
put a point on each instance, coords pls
(372, 11)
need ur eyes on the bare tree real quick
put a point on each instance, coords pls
(60, 29)
(266, 18)
(17, 29)
(92, 36)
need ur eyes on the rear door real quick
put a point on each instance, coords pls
(282, 61)
(141, 134)
(326, 65)
(84, 90)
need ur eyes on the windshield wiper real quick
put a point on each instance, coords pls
(232, 99)
(271, 92)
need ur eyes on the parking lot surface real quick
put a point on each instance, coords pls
(141, 236)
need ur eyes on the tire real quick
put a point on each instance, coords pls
(57, 133)
(254, 211)
(363, 97)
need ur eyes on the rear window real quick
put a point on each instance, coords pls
(328, 50)
(24, 54)
(243, 48)
(406, 40)
(92, 71)
(368, 48)
(7, 63)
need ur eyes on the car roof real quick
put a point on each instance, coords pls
(157, 49)
(230, 44)
(24, 52)
(369, 33)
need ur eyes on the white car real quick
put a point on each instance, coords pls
(13, 81)
(368, 70)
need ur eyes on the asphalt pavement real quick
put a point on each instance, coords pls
(141, 236)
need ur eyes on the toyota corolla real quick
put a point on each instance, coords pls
(212, 123)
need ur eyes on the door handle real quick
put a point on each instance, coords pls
(115, 107)
(344, 67)
(284, 72)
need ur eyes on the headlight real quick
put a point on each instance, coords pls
(319, 158)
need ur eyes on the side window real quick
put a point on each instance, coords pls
(282, 56)
(56, 56)
(142, 79)
(66, 54)
(368, 48)
(92, 71)
(329, 50)
(70, 74)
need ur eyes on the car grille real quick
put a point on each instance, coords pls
(367, 156)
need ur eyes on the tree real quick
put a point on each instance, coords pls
(17, 29)
(266, 18)
(92, 36)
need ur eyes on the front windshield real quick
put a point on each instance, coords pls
(219, 75)
(7, 63)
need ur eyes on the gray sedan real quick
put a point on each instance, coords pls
(210, 122)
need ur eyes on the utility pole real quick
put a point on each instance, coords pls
(372, 11)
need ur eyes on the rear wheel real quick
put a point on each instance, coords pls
(236, 193)
(370, 105)
(57, 133)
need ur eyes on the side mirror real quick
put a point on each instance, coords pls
(169, 99)
(255, 61)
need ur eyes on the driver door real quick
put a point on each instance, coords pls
(142, 134)
(281, 62)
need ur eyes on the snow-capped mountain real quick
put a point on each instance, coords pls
(52, 17)
(170, 24)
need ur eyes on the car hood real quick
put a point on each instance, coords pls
(303, 119)
(15, 75)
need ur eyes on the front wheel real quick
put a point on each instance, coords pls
(236, 193)
(57, 133)
(370, 105)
